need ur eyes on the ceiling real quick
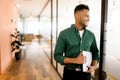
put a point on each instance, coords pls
(32, 8)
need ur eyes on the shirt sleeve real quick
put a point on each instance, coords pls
(94, 50)
(60, 49)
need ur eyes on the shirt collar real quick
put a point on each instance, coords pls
(74, 28)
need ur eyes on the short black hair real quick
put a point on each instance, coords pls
(81, 7)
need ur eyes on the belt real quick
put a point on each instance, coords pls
(73, 69)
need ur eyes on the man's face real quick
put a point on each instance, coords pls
(82, 17)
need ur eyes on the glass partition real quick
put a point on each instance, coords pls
(112, 44)
(54, 31)
(45, 29)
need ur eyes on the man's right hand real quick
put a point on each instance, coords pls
(80, 59)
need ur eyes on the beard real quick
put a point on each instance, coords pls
(83, 25)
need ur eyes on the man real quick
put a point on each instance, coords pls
(72, 42)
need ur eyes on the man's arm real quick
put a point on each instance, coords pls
(80, 59)
(94, 63)
(93, 67)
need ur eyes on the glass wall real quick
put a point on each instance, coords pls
(112, 49)
(45, 29)
(55, 29)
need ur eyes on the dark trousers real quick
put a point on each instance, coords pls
(75, 75)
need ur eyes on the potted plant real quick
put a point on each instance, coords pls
(16, 45)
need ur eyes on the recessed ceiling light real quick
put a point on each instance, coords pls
(18, 5)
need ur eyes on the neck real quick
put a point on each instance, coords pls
(79, 27)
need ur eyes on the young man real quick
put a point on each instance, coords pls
(72, 42)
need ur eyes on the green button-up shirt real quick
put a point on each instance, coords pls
(70, 44)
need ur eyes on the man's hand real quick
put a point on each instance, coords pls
(80, 59)
(91, 69)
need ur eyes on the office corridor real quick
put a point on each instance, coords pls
(34, 65)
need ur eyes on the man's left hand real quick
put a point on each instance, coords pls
(91, 69)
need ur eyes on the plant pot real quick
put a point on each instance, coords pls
(18, 55)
